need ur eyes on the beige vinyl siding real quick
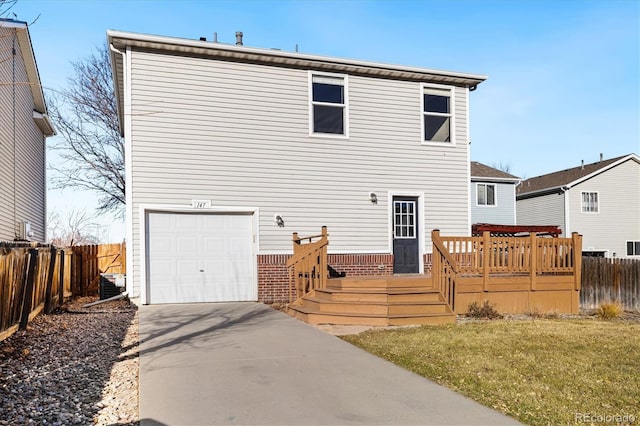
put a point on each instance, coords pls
(618, 218)
(27, 187)
(238, 134)
(542, 210)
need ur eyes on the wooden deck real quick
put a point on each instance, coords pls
(376, 300)
(516, 274)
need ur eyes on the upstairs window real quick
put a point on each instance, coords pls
(486, 194)
(328, 105)
(590, 202)
(437, 116)
(633, 248)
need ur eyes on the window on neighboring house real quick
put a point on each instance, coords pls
(328, 105)
(486, 194)
(589, 202)
(633, 248)
(437, 116)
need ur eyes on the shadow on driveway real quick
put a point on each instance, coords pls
(247, 364)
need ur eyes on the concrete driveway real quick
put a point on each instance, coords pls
(247, 364)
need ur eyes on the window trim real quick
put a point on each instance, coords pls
(582, 202)
(627, 251)
(345, 79)
(495, 195)
(451, 115)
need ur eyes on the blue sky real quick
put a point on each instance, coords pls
(564, 75)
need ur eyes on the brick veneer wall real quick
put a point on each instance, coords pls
(273, 278)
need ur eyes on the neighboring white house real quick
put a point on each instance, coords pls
(493, 195)
(24, 126)
(231, 149)
(601, 201)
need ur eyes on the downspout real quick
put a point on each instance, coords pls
(565, 193)
(126, 118)
(515, 202)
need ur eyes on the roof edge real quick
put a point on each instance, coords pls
(30, 63)
(604, 169)
(121, 38)
(495, 179)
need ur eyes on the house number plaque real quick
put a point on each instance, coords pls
(201, 204)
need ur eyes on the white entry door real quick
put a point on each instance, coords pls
(195, 258)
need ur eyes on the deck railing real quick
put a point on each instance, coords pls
(444, 271)
(308, 265)
(534, 256)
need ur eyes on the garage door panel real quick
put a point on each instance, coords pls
(200, 258)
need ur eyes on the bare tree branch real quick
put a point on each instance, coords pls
(74, 229)
(505, 167)
(86, 116)
(5, 7)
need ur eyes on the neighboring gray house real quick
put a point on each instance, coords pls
(493, 195)
(601, 201)
(231, 149)
(24, 126)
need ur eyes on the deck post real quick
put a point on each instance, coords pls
(577, 260)
(435, 260)
(486, 259)
(533, 260)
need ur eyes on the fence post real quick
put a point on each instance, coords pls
(50, 272)
(28, 292)
(486, 256)
(61, 280)
(533, 260)
(577, 260)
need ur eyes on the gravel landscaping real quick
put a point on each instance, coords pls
(75, 366)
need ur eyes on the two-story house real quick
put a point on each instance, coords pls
(230, 149)
(600, 200)
(493, 195)
(24, 126)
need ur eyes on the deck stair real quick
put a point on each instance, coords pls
(374, 300)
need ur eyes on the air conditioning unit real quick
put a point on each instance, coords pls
(24, 231)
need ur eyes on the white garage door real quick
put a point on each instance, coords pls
(200, 258)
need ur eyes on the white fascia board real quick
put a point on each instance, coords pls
(284, 58)
(44, 124)
(495, 179)
(30, 64)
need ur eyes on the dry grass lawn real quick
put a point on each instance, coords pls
(537, 371)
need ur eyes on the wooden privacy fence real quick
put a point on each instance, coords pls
(39, 278)
(606, 280)
(32, 280)
(90, 261)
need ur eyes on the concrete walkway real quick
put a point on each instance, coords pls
(247, 364)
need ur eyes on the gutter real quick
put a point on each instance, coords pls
(290, 59)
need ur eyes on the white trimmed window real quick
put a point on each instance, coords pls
(590, 202)
(486, 194)
(633, 248)
(437, 114)
(328, 110)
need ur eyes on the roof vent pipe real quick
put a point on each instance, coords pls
(215, 37)
(238, 38)
(582, 166)
(601, 157)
